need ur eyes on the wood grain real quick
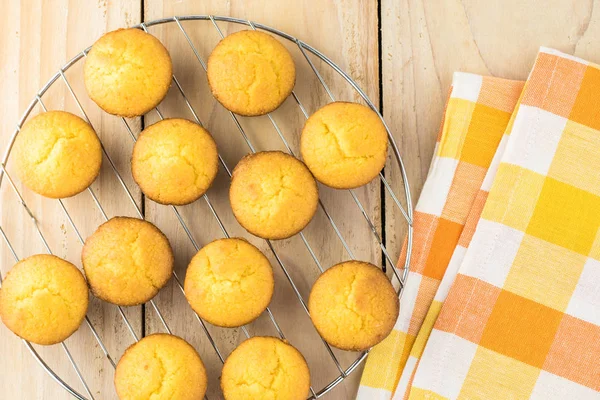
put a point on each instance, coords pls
(422, 44)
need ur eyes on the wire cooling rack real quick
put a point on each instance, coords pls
(400, 274)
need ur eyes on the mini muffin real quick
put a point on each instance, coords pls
(57, 154)
(353, 305)
(174, 161)
(251, 73)
(273, 195)
(344, 145)
(264, 368)
(160, 366)
(127, 72)
(43, 299)
(229, 282)
(127, 261)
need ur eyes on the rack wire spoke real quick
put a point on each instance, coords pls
(305, 49)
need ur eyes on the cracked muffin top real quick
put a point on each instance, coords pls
(127, 261)
(127, 72)
(272, 194)
(251, 73)
(174, 161)
(265, 368)
(57, 154)
(160, 366)
(43, 299)
(229, 282)
(344, 145)
(353, 305)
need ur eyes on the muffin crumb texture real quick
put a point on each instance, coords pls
(251, 73)
(264, 368)
(57, 154)
(160, 366)
(174, 161)
(229, 282)
(127, 261)
(273, 195)
(43, 299)
(353, 305)
(127, 72)
(344, 145)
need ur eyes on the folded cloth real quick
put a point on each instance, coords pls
(522, 317)
(511, 91)
(476, 116)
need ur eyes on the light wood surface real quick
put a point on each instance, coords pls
(422, 44)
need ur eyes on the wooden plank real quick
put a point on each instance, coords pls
(37, 38)
(346, 33)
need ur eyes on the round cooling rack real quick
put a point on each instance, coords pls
(398, 275)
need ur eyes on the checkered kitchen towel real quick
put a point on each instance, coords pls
(522, 318)
(476, 116)
(513, 89)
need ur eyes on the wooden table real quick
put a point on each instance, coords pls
(401, 52)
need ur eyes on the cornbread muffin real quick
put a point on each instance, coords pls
(43, 299)
(160, 366)
(57, 154)
(264, 368)
(344, 145)
(229, 282)
(174, 161)
(127, 72)
(273, 195)
(251, 73)
(353, 305)
(127, 261)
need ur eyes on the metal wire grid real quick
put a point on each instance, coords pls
(304, 48)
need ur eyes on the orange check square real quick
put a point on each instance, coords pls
(423, 301)
(521, 329)
(424, 229)
(465, 185)
(575, 351)
(499, 93)
(484, 134)
(586, 110)
(467, 308)
(473, 219)
(553, 84)
(443, 244)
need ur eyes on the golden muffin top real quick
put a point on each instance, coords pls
(127, 261)
(127, 72)
(57, 154)
(229, 282)
(251, 73)
(160, 366)
(273, 195)
(174, 161)
(344, 145)
(43, 299)
(353, 305)
(265, 368)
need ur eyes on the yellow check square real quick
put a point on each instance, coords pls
(566, 216)
(545, 273)
(484, 133)
(495, 376)
(513, 196)
(456, 125)
(386, 361)
(576, 159)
